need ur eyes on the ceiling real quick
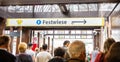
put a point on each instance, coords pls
(38, 2)
(57, 8)
(57, 11)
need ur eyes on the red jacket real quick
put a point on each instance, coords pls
(100, 57)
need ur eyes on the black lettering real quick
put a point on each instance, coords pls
(54, 22)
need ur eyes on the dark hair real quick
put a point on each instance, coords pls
(107, 44)
(113, 54)
(30, 44)
(56, 60)
(65, 42)
(44, 46)
(2, 20)
(59, 52)
(4, 40)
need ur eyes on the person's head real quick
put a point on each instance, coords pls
(59, 52)
(107, 44)
(36, 49)
(113, 54)
(22, 47)
(2, 20)
(77, 50)
(30, 45)
(4, 41)
(44, 47)
(66, 43)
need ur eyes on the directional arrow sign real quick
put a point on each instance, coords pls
(84, 21)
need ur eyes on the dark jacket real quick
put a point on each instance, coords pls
(24, 58)
(74, 60)
(6, 56)
(56, 60)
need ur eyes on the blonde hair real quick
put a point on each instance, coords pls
(22, 47)
(76, 48)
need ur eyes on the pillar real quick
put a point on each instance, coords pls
(48, 43)
(38, 39)
(11, 43)
(18, 40)
(109, 27)
(97, 39)
(25, 35)
(30, 38)
(2, 25)
(101, 39)
(44, 39)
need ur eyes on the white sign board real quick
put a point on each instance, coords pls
(55, 22)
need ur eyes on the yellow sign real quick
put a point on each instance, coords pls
(19, 22)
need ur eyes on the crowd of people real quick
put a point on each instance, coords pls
(70, 52)
(27, 55)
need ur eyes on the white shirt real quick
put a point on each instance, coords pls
(30, 52)
(43, 56)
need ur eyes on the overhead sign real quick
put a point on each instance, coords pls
(55, 22)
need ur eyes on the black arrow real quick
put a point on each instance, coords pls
(84, 21)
